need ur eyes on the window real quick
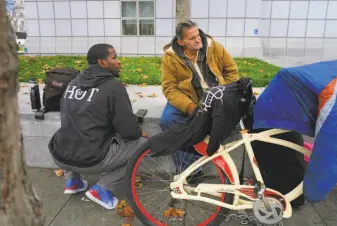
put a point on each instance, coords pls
(137, 17)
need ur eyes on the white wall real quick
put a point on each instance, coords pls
(245, 27)
(299, 28)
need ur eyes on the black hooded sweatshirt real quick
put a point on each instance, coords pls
(94, 107)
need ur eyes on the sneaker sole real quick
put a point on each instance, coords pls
(92, 198)
(71, 192)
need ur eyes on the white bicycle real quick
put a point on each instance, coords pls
(162, 197)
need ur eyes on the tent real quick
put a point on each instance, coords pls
(303, 99)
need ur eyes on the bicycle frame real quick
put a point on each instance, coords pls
(223, 160)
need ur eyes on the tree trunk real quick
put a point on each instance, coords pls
(183, 10)
(18, 203)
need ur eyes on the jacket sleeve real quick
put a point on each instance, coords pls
(169, 81)
(230, 70)
(124, 121)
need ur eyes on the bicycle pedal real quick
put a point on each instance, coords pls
(259, 189)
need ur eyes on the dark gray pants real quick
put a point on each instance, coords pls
(114, 164)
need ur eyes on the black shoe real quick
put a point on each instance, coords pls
(298, 203)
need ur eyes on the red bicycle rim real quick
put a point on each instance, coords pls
(148, 215)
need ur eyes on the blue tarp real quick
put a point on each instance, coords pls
(303, 99)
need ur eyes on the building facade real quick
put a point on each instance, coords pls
(250, 28)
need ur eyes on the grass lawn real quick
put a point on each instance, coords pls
(136, 70)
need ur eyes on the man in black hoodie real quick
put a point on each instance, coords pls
(99, 131)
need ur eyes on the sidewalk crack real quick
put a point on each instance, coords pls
(58, 212)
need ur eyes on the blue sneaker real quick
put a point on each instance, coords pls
(75, 185)
(102, 197)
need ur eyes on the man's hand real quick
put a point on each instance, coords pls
(144, 134)
(190, 108)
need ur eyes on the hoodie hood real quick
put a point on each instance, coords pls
(93, 77)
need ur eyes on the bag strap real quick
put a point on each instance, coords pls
(242, 172)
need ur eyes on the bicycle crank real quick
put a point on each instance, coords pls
(268, 211)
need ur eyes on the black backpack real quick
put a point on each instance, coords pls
(57, 81)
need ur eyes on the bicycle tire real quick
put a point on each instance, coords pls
(131, 199)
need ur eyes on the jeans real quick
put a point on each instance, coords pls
(114, 164)
(185, 157)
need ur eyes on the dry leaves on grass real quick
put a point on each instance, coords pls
(46, 67)
(256, 93)
(145, 77)
(173, 212)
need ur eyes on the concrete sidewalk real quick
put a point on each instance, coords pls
(75, 210)
(63, 210)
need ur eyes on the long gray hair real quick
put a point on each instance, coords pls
(182, 26)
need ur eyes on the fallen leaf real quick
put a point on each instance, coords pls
(179, 213)
(139, 70)
(125, 84)
(78, 62)
(261, 70)
(145, 77)
(172, 212)
(126, 212)
(244, 74)
(133, 100)
(140, 95)
(138, 179)
(256, 93)
(139, 185)
(142, 85)
(245, 62)
(46, 67)
(59, 172)
(168, 212)
(121, 204)
(152, 95)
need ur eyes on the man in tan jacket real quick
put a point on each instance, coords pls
(193, 61)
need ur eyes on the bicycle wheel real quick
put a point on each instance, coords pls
(150, 198)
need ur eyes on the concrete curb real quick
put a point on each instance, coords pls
(37, 133)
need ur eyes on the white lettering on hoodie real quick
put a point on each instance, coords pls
(73, 91)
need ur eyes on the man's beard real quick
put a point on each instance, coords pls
(197, 49)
